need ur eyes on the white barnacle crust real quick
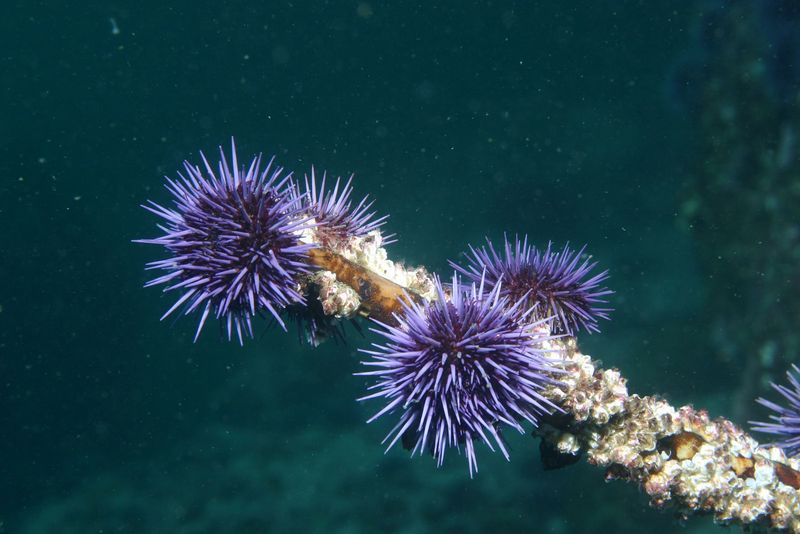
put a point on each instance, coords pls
(337, 299)
(678, 456)
(568, 444)
(307, 234)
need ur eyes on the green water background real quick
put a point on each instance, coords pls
(462, 119)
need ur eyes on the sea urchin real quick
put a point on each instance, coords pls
(558, 281)
(335, 217)
(786, 419)
(234, 242)
(458, 367)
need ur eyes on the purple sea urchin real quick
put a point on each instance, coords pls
(234, 242)
(562, 284)
(332, 210)
(786, 420)
(457, 368)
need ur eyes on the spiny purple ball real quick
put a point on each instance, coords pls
(233, 241)
(560, 283)
(333, 212)
(456, 368)
(786, 420)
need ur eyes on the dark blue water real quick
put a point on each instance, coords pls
(581, 123)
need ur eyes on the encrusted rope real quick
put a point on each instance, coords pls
(680, 457)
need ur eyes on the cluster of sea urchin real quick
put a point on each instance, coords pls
(234, 241)
(786, 419)
(459, 367)
(560, 282)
